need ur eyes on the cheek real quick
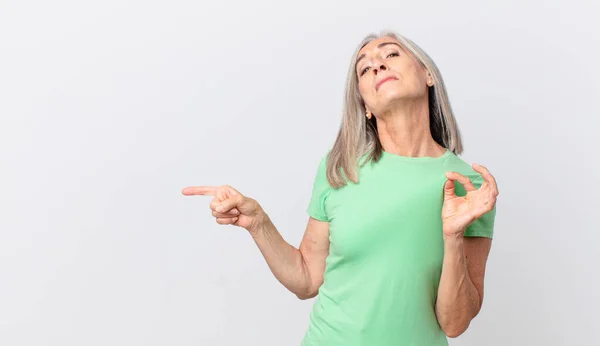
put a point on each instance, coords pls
(416, 76)
(365, 90)
(411, 73)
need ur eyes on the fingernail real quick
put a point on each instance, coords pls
(235, 219)
(220, 208)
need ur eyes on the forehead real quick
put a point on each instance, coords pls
(376, 43)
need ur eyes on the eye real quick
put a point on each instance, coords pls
(392, 54)
(364, 70)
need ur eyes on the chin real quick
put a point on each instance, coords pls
(388, 97)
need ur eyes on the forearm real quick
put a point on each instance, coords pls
(458, 300)
(284, 260)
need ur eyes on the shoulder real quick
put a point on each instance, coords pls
(320, 191)
(459, 165)
(322, 162)
(321, 166)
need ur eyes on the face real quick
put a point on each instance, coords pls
(388, 74)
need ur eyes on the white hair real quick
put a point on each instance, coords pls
(358, 136)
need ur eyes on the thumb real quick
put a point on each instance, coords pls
(449, 189)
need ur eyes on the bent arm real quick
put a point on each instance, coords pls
(460, 293)
(301, 269)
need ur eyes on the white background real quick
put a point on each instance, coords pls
(109, 108)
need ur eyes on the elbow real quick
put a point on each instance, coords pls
(454, 331)
(455, 325)
(306, 295)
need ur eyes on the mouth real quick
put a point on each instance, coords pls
(386, 79)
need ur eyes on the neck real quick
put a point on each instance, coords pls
(404, 130)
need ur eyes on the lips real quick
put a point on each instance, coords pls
(384, 80)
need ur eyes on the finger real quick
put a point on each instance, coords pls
(232, 213)
(449, 189)
(199, 190)
(215, 203)
(229, 204)
(487, 176)
(466, 182)
(226, 220)
(231, 190)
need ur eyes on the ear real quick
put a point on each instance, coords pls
(429, 79)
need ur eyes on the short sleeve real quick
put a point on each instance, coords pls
(320, 192)
(483, 226)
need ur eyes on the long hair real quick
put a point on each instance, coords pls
(358, 135)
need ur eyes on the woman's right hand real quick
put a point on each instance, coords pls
(230, 207)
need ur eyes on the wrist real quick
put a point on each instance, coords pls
(454, 247)
(260, 224)
(454, 238)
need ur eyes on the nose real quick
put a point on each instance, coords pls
(379, 66)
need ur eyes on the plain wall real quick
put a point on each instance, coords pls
(108, 109)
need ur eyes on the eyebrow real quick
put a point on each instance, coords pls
(383, 44)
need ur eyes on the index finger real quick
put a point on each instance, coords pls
(487, 176)
(199, 190)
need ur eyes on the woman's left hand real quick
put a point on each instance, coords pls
(459, 212)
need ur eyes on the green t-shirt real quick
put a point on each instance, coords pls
(386, 252)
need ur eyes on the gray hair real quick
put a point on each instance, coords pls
(358, 135)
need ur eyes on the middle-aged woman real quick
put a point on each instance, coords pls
(399, 227)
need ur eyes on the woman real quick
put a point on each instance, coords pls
(400, 228)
